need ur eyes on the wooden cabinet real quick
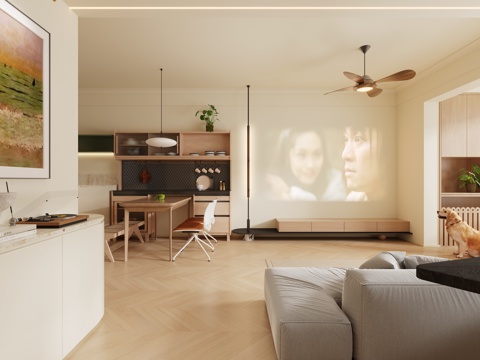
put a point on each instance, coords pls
(222, 212)
(453, 126)
(459, 146)
(190, 146)
(343, 225)
(175, 170)
(473, 125)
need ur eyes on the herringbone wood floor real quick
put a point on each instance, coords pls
(193, 309)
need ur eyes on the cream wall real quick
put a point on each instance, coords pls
(57, 194)
(418, 139)
(102, 111)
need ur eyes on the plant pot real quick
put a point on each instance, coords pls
(471, 188)
(209, 127)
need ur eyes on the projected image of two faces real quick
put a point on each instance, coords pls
(342, 164)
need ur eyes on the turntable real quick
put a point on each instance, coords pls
(53, 220)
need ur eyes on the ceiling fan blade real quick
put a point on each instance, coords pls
(354, 77)
(342, 89)
(374, 92)
(399, 76)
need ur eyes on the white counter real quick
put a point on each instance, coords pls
(52, 290)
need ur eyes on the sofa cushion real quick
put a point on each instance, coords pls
(385, 260)
(411, 261)
(306, 321)
(397, 316)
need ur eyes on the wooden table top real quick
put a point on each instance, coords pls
(169, 201)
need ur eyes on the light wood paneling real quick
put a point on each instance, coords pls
(453, 127)
(328, 225)
(473, 125)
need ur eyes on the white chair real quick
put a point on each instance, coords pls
(199, 226)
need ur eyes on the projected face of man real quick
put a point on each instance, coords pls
(306, 157)
(360, 164)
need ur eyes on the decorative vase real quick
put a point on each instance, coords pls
(209, 127)
(471, 188)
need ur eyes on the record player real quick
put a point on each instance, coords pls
(53, 220)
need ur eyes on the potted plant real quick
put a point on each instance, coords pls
(469, 178)
(209, 116)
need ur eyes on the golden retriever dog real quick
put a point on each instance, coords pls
(466, 237)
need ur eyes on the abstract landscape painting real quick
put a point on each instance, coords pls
(24, 96)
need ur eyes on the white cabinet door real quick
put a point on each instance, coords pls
(83, 284)
(31, 302)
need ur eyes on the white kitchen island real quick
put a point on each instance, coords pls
(51, 290)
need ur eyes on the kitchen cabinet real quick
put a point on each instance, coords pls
(190, 146)
(222, 212)
(52, 290)
(174, 171)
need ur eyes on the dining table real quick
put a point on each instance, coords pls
(152, 205)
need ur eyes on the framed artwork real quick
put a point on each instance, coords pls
(24, 96)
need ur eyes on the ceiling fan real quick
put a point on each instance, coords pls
(366, 84)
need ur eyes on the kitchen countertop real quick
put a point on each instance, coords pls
(47, 233)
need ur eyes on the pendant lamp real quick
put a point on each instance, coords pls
(161, 142)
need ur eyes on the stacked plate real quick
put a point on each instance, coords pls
(210, 153)
(172, 154)
(221, 153)
(194, 154)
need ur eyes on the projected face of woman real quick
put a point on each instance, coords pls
(306, 157)
(360, 164)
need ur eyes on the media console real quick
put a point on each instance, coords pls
(316, 228)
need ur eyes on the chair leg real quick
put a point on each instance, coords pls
(199, 242)
(207, 238)
(194, 237)
(190, 239)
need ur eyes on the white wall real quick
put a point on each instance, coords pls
(102, 111)
(57, 194)
(418, 139)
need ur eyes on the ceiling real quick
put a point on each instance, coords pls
(300, 44)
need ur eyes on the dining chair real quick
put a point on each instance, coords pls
(196, 226)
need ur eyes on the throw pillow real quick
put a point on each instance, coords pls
(385, 260)
(412, 261)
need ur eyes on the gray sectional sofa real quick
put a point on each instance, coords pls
(380, 311)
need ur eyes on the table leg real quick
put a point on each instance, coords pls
(125, 235)
(170, 230)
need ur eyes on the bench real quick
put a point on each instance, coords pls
(112, 232)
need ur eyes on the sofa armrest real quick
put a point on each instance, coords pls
(306, 321)
(395, 315)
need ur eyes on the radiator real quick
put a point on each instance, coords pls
(469, 215)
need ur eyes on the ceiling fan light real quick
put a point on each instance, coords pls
(364, 88)
(161, 142)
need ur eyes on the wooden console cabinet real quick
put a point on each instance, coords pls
(343, 225)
